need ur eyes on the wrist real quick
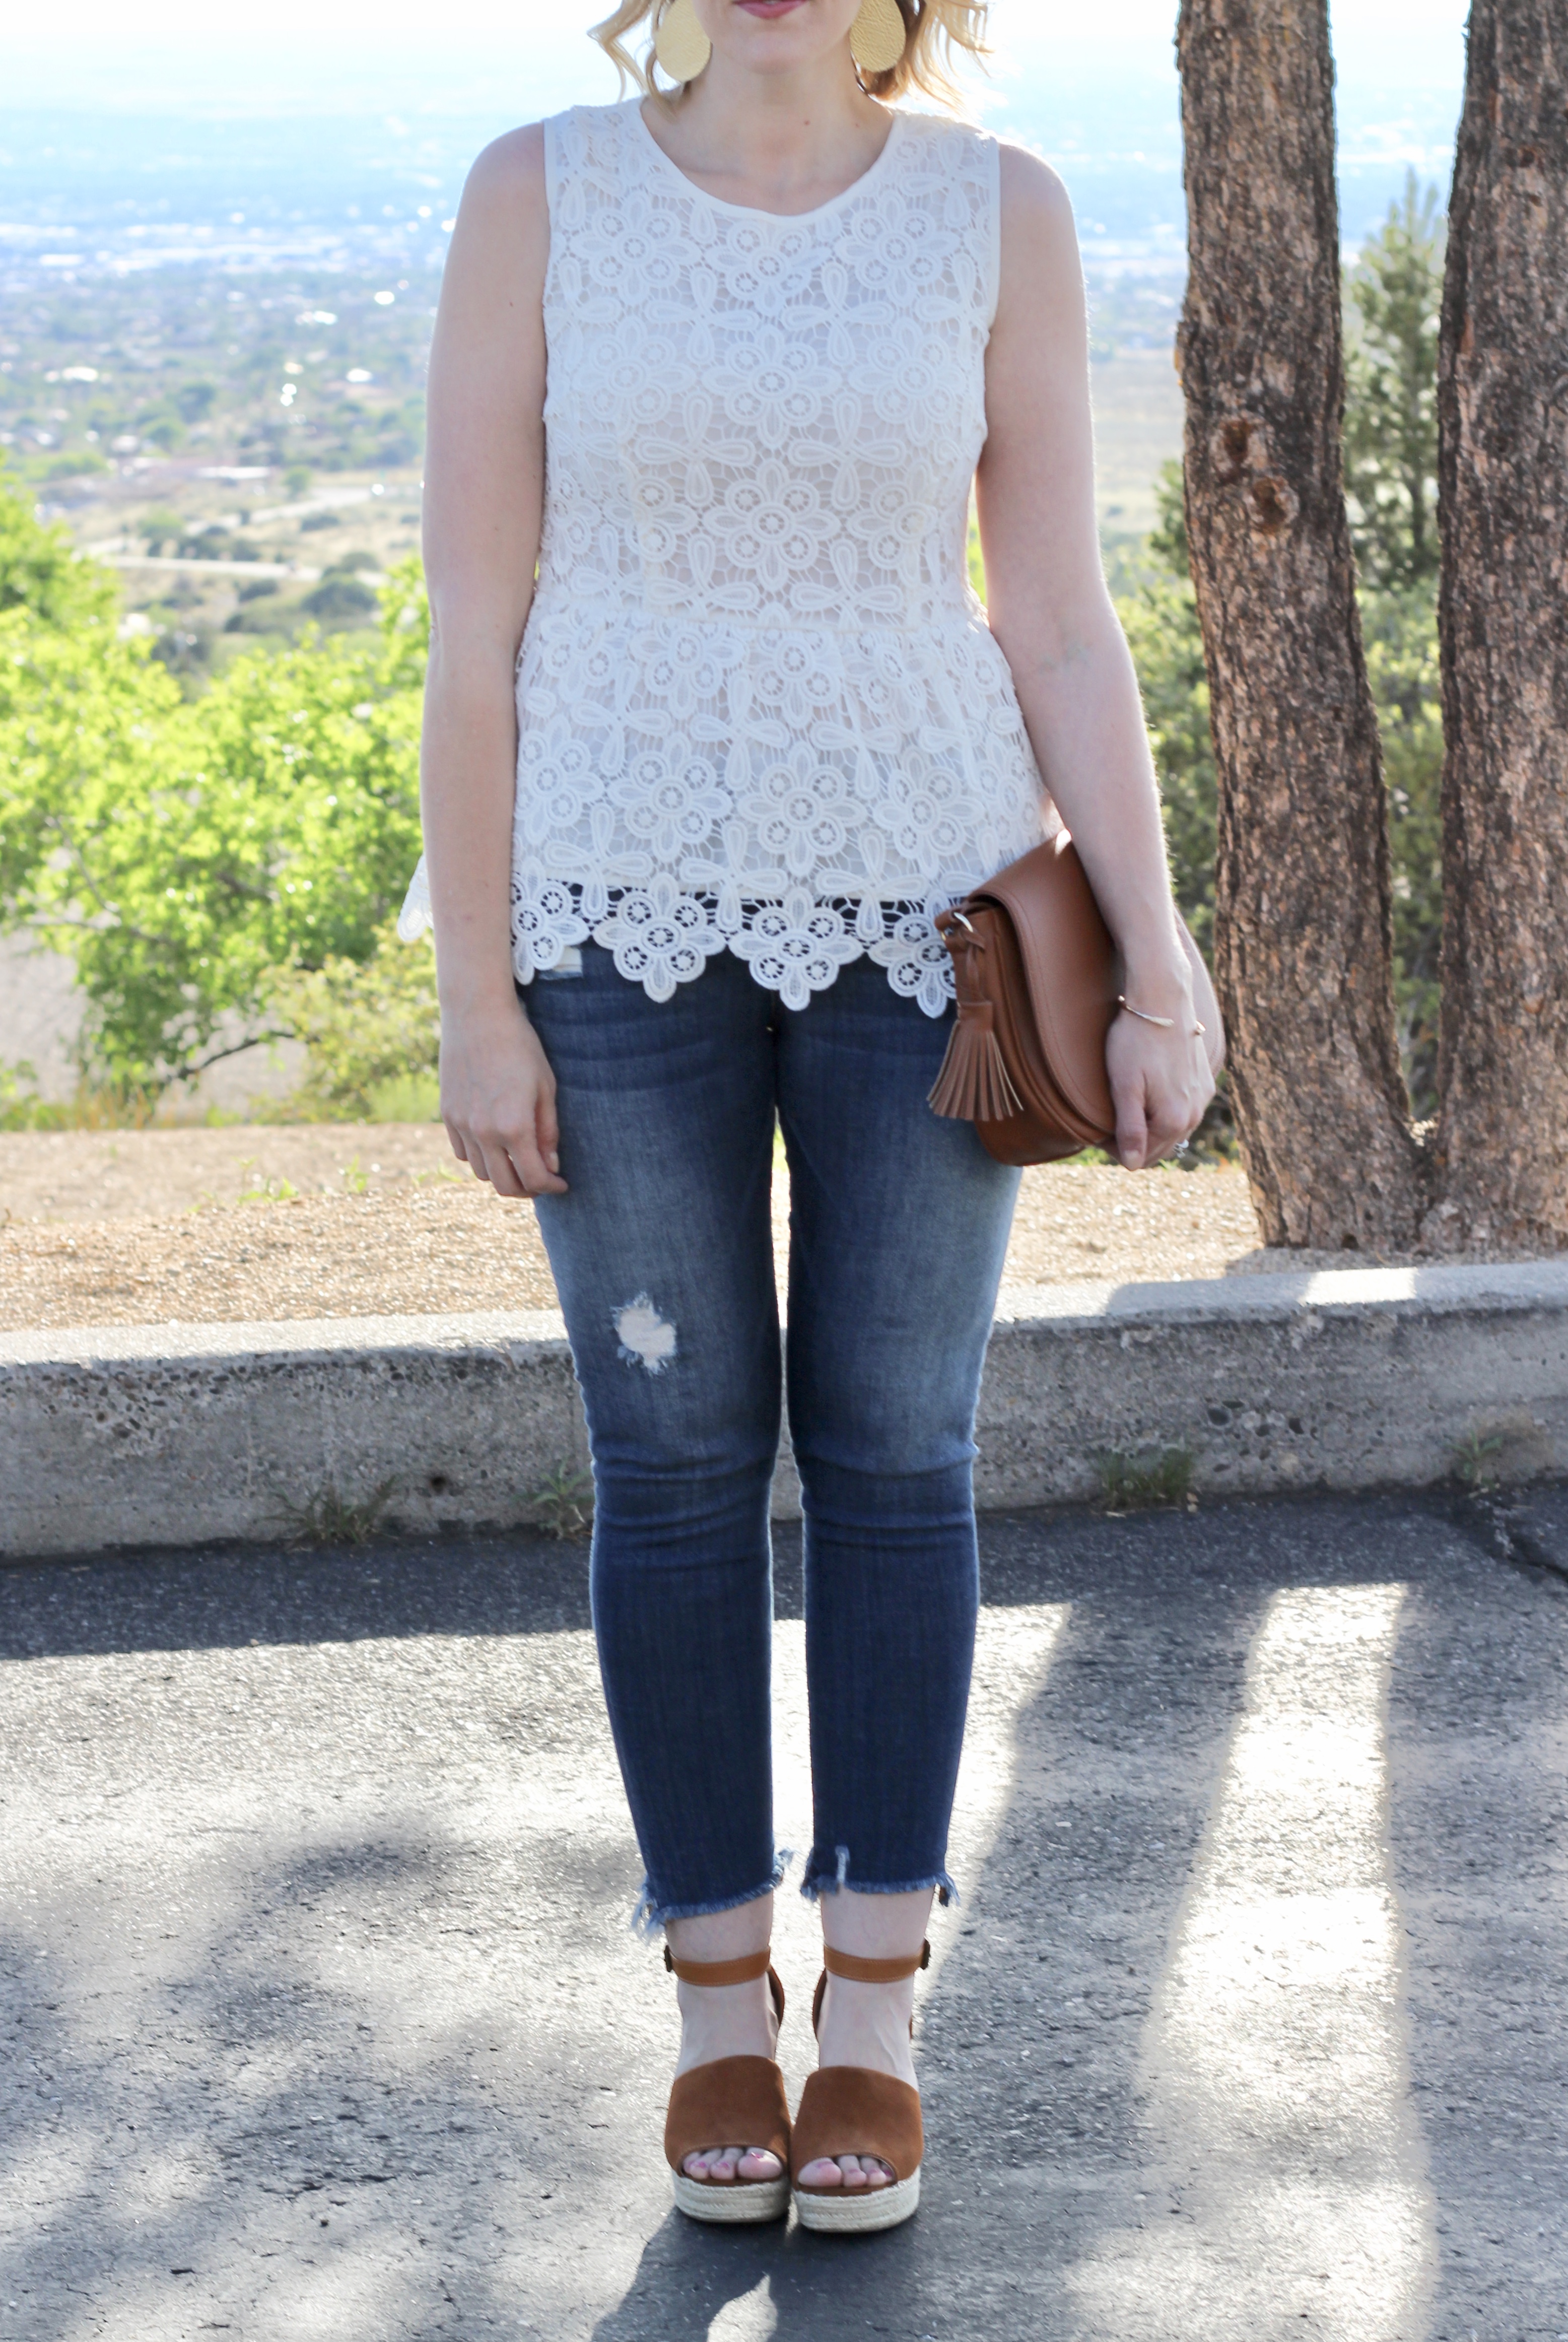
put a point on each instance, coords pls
(1160, 988)
(480, 1004)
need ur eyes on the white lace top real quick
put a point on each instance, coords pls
(759, 706)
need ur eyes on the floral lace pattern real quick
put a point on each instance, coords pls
(759, 706)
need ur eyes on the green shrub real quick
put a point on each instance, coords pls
(95, 1105)
(339, 601)
(405, 1097)
(371, 1030)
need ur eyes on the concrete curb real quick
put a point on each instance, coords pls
(138, 1435)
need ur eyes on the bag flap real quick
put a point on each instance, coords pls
(1071, 964)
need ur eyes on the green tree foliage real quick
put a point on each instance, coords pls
(1390, 392)
(41, 573)
(1399, 630)
(187, 853)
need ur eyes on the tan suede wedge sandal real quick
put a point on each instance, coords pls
(854, 2110)
(729, 2102)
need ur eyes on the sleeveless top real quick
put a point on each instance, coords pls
(759, 708)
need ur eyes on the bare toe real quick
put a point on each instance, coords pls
(756, 2163)
(825, 2173)
(853, 2176)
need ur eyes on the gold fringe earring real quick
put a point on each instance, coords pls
(877, 36)
(681, 45)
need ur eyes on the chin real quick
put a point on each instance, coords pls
(777, 44)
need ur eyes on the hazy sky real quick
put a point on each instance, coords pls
(326, 52)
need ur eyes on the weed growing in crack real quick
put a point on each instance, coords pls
(563, 1502)
(331, 1518)
(1136, 1484)
(1478, 1460)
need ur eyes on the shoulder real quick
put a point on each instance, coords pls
(501, 241)
(1040, 297)
(1035, 202)
(520, 164)
(509, 172)
(1041, 270)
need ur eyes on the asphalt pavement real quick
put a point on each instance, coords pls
(323, 2016)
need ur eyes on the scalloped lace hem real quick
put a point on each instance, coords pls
(661, 936)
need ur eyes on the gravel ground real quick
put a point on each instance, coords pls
(355, 1220)
(102, 1175)
(145, 1228)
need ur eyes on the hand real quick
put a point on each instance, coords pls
(1161, 1081)
(498, 1101)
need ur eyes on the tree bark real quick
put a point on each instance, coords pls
(1302, 937)
(1503, 422)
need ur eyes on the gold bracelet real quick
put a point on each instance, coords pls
(1143, 1016)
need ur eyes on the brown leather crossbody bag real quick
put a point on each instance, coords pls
(1039, 981)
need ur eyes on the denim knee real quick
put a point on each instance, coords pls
(674, 1514)
(874, 1508)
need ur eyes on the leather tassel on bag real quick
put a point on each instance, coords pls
(1034, 980)
(973, 1085)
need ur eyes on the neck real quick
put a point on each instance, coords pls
(781, 137)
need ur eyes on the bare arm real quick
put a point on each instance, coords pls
(1056, 625)
(484, 501)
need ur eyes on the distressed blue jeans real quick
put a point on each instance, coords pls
(662, 1255)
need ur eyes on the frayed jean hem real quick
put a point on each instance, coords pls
(822, 1878)
(651, 1915)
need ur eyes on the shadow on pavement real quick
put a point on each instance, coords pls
(227, 1598)
(1479, 1831)
(301, 1934)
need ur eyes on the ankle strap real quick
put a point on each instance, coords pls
(858, 1971)
(714, 1972)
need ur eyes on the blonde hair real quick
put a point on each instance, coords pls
(934, 30)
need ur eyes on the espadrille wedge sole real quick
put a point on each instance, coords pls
(729, 2102)
(745, 2203)
(841, 2212)
(852, 2110)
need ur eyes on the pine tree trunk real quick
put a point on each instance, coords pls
(1503, 419)
(1302, 939)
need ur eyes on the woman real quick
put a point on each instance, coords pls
(725, 361)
